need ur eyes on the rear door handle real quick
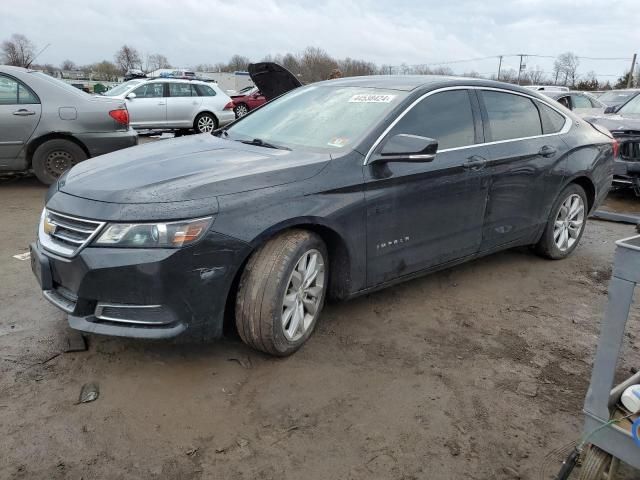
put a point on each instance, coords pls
(23, 112)
(475, 163)
(547, 151)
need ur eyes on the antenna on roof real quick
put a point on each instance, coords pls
(37, 55)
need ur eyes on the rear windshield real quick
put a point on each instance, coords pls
(320, 118)
(616, 96)
(60, 83)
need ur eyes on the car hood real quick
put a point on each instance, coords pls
(187, 168)
(272, 79)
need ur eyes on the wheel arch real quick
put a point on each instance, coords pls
(587, 185)
(36, 142)
(206, 110)
(337, 248)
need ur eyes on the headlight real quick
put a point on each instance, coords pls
(150, 235)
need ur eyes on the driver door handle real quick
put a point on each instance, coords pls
(475, 163)
(547, 151)
(23, 112)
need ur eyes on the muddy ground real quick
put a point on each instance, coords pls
(478, 372)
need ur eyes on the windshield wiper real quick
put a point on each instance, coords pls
(261, 143)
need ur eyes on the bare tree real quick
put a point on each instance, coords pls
(106, 71)
(127, 58)
(68, 65)
(238, 63)
(157, 61)
(565, 68)
(18, 51)
(351, 67)
(535, 76)
(316, 64)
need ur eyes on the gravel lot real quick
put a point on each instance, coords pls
(478, 372)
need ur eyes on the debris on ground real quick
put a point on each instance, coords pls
(22, 256)
(192, 451)
(75, 342)
(530, 389)
(245, 362)
(89, 393)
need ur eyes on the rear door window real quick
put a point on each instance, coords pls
(446, 117)
(182, 90)
(580, 101)
(205, 91)
(511, 116)
(150, 90)
(13, 92)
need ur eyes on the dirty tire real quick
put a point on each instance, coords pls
(54, 157)
(259, 302)
(547, 247)
(596, 463)
(205, 123)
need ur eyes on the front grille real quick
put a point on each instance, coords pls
(66, 235)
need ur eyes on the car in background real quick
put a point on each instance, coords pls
(335, 189)
(624, 125)
(579, 102)
(547, 88)
(48, 126)
(614, 99)
(245, 102)
(175, 104)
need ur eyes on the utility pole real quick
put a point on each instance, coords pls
(520, 68)
(633, 66)
(499, 66)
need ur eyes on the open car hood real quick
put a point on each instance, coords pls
(272, 79)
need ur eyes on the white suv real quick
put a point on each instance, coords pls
(172, 104)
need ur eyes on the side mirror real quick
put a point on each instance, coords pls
(611, 109)
(407, 148)
(131, 96)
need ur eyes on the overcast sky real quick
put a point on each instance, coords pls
(393, 32)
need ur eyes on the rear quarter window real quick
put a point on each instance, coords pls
(205, 91)
(511, 116)
(552, 121)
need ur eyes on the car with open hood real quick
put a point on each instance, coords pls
(332, 190)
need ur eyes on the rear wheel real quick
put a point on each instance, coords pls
(205, 123)
(565, 225)
(54, 157)
(241, 110)
(281, 292)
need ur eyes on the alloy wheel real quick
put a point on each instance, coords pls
(241, 111)
(569, 222)
(206, 124)
(303, 295)
(58, 162)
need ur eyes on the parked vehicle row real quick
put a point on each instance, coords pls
(175, 104)
(48, 126)
(334, 189)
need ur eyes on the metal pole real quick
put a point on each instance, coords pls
(520, 68)
(633, 65)
(499, 67)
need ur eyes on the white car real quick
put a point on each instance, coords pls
(173, 104)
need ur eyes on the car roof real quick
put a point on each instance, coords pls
(413, 82)
(174, 80)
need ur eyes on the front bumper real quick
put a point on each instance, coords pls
(99, 143)
(142, 293)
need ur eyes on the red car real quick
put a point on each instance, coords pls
(247, 102)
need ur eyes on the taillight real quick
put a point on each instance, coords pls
(229, 106)
(121, 116)
(616, 148)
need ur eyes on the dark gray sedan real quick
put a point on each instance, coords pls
(48, 125)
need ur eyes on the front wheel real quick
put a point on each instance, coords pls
(282, 292)
(565, 225)
(205, 123)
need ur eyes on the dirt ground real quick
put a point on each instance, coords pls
(478, 372)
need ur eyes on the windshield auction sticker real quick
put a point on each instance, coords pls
(371, 98)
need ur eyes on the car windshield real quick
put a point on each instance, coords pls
(632, 107)
(60, 83)
(122, 88)
(616, 96)
(320, 118)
